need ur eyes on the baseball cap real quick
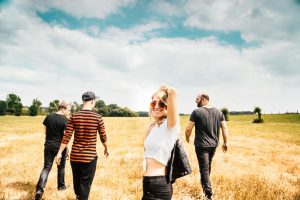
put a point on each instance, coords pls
(88, 96)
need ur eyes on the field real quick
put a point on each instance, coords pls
(262, 162)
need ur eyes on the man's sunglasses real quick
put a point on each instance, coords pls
(160, 104)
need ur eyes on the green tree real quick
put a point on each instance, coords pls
(34, 109)
(259, 119)
(225, 113)
(18, 108)
(112, 106)
(37, 102)
(3, 107)
(100, 104)
(101, 108)
(123, 112)
(14, 105)
(53, 106)
(76, 107)
(143, 114)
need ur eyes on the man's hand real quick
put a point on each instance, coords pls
(68, 153)
(106, 154)
(224, 147)
(58, 158)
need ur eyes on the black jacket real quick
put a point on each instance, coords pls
(178, 164)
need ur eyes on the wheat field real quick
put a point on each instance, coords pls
(262, 162)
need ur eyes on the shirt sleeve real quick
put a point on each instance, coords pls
(68, 132)
(193, 116)
(101, 130)
(46, 120)
(222, 118)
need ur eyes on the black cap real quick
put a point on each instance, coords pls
(88, 96)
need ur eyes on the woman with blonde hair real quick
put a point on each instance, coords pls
(159, 142)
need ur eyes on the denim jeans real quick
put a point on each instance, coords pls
(83, 176)
(205, 156)
(49, 155)
(156, 187)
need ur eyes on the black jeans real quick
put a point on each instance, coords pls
(205, 156)
(49, 155)
(157, 187)
(83, 176)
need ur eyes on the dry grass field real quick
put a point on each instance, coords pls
(263, 161)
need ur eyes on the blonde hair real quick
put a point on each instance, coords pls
(162, 94)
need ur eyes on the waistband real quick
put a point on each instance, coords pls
(155, 178)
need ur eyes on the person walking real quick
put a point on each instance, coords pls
(55, 124)
(85, 124)
(159, 142)
(208, 120)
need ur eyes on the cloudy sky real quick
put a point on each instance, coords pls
(243, 53)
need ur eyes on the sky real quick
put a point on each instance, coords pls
(242, 53)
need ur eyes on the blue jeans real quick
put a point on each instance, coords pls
(49, 155)
(83, 176)
(156, 187)
(205, 156)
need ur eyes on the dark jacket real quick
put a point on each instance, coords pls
(178, 164)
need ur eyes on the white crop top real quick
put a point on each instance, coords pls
(160, 142)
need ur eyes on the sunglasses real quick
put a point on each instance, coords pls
(160, 104)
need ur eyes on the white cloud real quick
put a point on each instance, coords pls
(53, 62)
(256, 20)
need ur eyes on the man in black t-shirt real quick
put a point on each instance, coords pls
(207, 120)
(55, 124)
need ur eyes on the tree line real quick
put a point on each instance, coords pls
(13, 106)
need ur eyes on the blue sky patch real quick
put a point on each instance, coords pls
(135, 15)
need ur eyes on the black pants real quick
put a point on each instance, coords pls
(205, 156)
(156, 187)
(49, 155)
(83, 176)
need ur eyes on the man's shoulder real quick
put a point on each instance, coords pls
(87, 113)
(199, 110)
(50, 115)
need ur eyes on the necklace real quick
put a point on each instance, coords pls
(160, 122)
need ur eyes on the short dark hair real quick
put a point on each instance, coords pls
(205, 96)
(62, 105)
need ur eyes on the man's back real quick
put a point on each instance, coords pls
(85, 124)
(207, 123)
(55, 125)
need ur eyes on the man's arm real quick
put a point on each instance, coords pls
(105, 149)
(69, 147)
(65, 140)
(58, 156)
(225, 135)
(188, 131)
(103, 138)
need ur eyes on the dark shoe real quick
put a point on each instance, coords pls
(62, 188)
(38, 195)
(208, 197)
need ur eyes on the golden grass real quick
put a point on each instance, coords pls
(263, 161)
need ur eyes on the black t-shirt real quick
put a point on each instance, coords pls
(207, 125)
(55, 126)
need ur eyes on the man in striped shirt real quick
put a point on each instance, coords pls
(85, 124)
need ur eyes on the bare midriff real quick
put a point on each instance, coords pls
(154, 168)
